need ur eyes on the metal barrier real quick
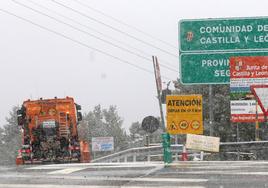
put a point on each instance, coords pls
(241, 150)
(138, 154)
(252, 150)
(151, 153)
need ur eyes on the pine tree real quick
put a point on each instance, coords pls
(10, 138)
(105, 123)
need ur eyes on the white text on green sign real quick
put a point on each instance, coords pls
(223, 34)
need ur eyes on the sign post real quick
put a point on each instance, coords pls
(158, 88)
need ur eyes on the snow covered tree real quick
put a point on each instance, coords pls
(105, 123)
(113, 125)
(10, 138)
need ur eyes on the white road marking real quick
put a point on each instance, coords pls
(217, 167)
(223, 167)
(216, 163)
(140, 179)
(163, 186)
(70, 168)
(169, 180)
(188, 164)
(153, 170)
(103, 178)
(254, 173)
(95, 165)
(223, 173)
(82, 186)
(67, 170)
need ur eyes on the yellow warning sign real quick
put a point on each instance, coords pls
(184, 114)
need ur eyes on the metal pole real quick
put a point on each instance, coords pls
(147, 140)
(237, 140)
(149, 153)
(134, 158)
(176, 143)
(257, 124)
(201, 155)
(176, 139)
(211, 115)
(237, 132)
(158, 93)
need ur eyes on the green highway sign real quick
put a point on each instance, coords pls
(209, 68)
(233, 34)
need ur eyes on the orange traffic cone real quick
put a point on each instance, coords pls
(85, 156)
(184, 155)
(19, 160)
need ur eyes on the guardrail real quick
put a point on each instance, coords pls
(244, 144)
(150, 153)
(252, 150)
(155, 153)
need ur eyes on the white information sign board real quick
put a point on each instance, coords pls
(203, 143)
(102, 143)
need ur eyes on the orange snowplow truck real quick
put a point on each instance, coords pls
(49, 131)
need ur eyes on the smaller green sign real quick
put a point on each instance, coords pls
(209, 68)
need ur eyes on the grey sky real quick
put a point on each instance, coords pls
(36, 63)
